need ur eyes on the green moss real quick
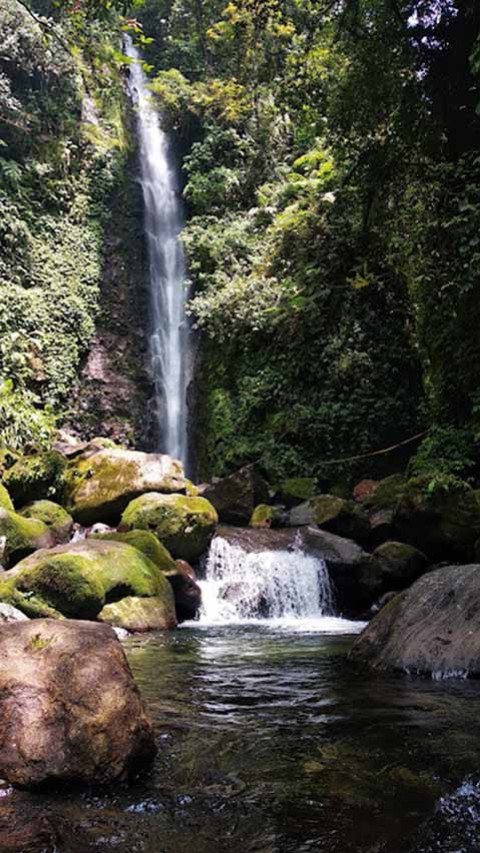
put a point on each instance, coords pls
(78, 580)
(387, 494)
(142, 614)
(35, 477)
(145, 542)
(184, 524)
(54, 516)
(263, 516)
(297, 488)
(23, 535)
(5, 499)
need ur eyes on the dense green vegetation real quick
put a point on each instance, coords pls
(332, 186)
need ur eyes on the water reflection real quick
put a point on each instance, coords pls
(269, 742)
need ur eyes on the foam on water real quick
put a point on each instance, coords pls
(281, 590)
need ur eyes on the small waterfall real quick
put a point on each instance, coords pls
(273, 585)
(168, 294)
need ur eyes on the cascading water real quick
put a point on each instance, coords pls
(168, 293)
(279, 586)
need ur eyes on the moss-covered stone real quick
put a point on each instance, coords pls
(399, 566)
(340, 516)
(5, 499)
(35, 477)
(296, 490)
(185, 525)
(57, 519)
(386, 494)
(444, 524)
(191, 490)
(145, 542)
(141, 614)
(78, 580)
(265, 516)
(23, 536)
(99, 487)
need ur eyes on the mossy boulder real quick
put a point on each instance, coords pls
(184, 525)
(296, 490)
(100, 487)
(342, 517)
(140, 614)
(444, 524)
(145, 542)
(399, 566)
(57, 519)
(35, 477)
(5, 499)
(266, 516)
(23, 536)
(386, 493)
(78, 580)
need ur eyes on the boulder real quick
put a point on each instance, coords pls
(364, 490)
(5, 499)
(186, 591)
(399, 564)
(11, 614)
(100, 486)
(144, 541)
(139, 614)
(444, 525)
(266, 516)
(433, 628)
(386, 494)
(22, 536)
(69, 708)
(301, 515)
(57, 519)
(381, 527)
(342, 517)
(235, 497)
(184, 525)
(79, 579)
(296, 490)
(35, 477)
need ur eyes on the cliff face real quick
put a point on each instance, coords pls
(71, 245)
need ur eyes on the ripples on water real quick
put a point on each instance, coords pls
(270, 743)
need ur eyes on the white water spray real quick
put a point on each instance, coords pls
(168, 294)
(273, 585)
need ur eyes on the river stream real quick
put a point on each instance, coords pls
(270, 742)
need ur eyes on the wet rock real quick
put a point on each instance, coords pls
(69, 708)
(139, 614)
(235, 497)
(381, 527)
(100, 486)
(186, 591)
(399, 564)
(433, 628)
(57, 519)
(78, 580)
(184, 525)
(22, 536)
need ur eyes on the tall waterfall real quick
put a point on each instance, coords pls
(274, 585)
(163, 224)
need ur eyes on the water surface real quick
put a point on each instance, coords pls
(270, 742)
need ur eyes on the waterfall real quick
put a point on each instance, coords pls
(168, 293)
(273, 585)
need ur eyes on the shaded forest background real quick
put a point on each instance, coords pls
(330, 154)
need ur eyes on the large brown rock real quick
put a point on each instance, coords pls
(235, 497)
(431, 629)
(100, 486)
(69, 708)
